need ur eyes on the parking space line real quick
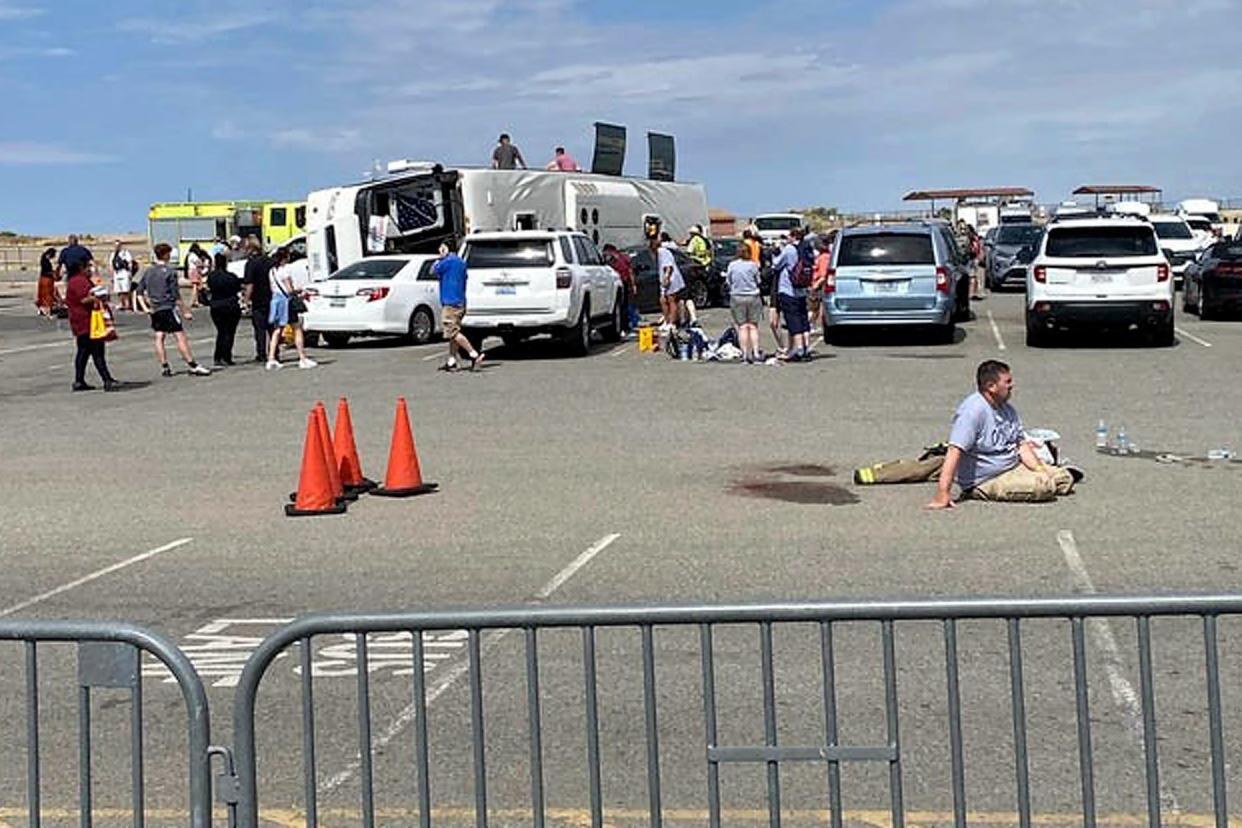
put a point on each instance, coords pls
(620, 349)
(1000, 343)
(1193, 338)
(86, 579)
(23, 349)
(1125, 697)
(458, 669)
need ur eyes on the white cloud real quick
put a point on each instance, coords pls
(318, 140)
(12, 11)
(29, 153)
(185, 30)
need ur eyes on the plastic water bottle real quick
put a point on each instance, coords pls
(1101, 435)
(1123, 442)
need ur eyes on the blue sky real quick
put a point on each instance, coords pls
(111, 106)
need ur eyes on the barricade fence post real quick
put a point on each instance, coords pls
(109, 657)
(648, 631)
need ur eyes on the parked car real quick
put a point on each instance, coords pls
(1011, 251)
(897, 274)
(700, 285)
(528, 282)
(1177, 241)
(395, 294)
(1214, 280)
(1099, 273)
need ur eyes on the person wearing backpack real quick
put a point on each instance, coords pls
(793, 278)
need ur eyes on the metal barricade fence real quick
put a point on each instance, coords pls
(109, 656)
(1010, 616)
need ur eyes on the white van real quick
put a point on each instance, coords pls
(1203, 208)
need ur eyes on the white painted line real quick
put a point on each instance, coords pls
(26, 348)
(1125, 697)
(86, 579)
(1193, 338)
(1000, 343)
(620, 349)
(458, 669)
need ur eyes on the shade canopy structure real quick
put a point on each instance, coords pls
(1120, 192)
(969, 193)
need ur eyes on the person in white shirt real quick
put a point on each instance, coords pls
(122, 277)
(285, 312)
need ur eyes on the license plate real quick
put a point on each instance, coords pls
(888, 287)
(1101, 278)
(337, 303)
(506, 290)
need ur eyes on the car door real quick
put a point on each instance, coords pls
(427, 289)
(586, 271)
(601, 278)
(405, 294)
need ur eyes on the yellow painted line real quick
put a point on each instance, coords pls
(578, 817)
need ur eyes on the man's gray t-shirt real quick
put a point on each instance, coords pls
(506, 156)
(743, 277)
(159, 284)
(988, 437)
(677, 282)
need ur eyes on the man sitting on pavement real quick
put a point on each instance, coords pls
(988, 455)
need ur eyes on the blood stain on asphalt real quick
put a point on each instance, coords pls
(802, 470)
(795, 491)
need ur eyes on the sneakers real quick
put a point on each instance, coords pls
(166, 371)
(81, 386)
(272, 365)
(113, 385)
(306, 362)
(197, 370)
(477, 361)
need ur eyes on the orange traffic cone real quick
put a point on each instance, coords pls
(404, 477)
(347, 462)
(315, 495)
(325, 436)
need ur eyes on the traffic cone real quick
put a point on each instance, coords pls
(404, 477)
(315, 494)
(334, 472)
(347, 462)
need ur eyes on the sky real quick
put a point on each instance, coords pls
(109, 107)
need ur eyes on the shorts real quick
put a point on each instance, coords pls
(450, 320)
(668, 293)
(120, 282)
(166, 320)
(793, 308)
(279, 313)
(746, 310)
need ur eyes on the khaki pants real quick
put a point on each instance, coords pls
(1021, 485)
(900, 471)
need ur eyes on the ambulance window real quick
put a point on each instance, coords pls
(279, 216)
(299, 216)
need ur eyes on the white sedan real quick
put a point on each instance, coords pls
(393, 294)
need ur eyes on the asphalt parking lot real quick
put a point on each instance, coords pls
(685, 483)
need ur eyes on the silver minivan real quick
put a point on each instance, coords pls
(897, 274)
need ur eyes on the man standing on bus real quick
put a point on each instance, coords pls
(507, 156)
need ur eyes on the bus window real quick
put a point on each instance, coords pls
(331, 244)
(525, 221)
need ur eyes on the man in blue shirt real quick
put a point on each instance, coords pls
(450, 269)
(791, 298)
(989, 456)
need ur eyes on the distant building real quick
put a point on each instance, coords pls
(723, 223)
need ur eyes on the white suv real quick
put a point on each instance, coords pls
(1099, 272)
(527, 282)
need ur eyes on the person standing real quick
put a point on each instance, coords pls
(745, 302)
(122, 276)
(450, 269)
(82, 298)
(223, 288)
(791, 298)
(819, 278)
(672, 283)
(698, 247)
(620, 262)
(507, 156)
(72, 256)
(46, 298)
(159, 295)
(562, 162)
(285, 312)
(196, 262)
(751, 241)
(258, 295)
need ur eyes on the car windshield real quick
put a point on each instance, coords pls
(1018, 234)
(727, 247)
(886, 249)
(1199, 224)
(1172, 229)
(370, 269)
(778, 223)
(509, 253)
(1098, 242)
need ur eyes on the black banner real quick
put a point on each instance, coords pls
(609, 149)
(662, 157)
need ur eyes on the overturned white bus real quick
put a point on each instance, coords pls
(415, 206)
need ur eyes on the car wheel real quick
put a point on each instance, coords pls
(1162, 336)
(947, 334)
(612, 331)
(311, 338)
(961, 313)
(422, 326)
(1204, 309)
(336, 340)
(700, 295)
(1036, 334)
(578, 340)
(1187, 307)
